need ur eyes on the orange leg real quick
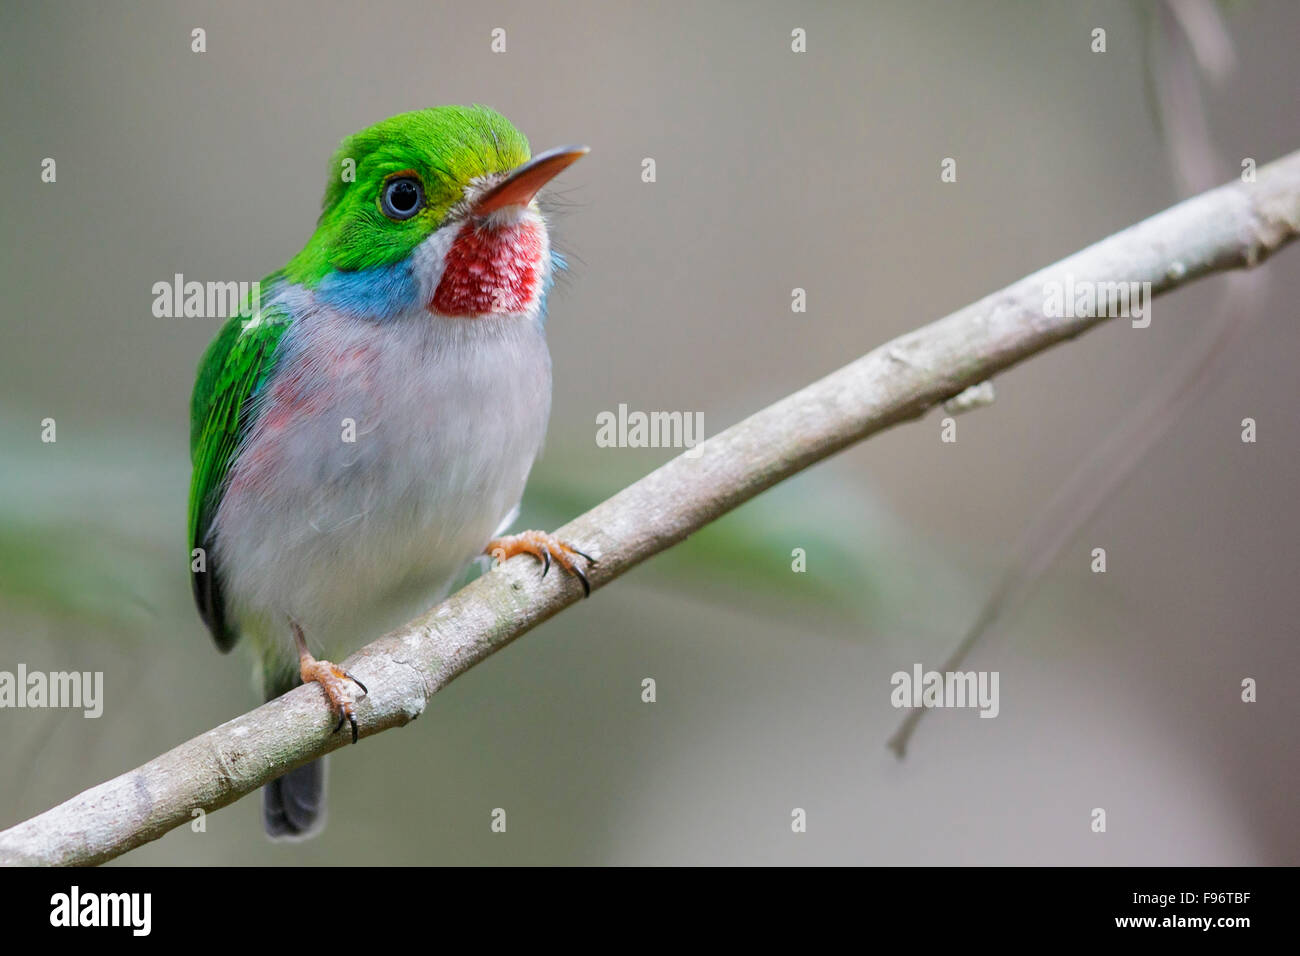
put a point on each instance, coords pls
(545, 548)
(332, 679)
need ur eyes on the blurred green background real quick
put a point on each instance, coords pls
(774, 170)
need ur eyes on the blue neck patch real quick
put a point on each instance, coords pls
(381, 292)
(558, 265)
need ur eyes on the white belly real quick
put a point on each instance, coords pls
(351, 537)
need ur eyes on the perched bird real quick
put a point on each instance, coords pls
(360, 438)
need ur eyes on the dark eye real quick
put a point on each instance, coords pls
(402, 198)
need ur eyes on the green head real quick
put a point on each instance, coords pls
(396, 184)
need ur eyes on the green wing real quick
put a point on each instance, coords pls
(233, 368)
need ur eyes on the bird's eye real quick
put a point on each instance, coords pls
(402, 198)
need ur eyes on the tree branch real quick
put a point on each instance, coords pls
(1235, 226)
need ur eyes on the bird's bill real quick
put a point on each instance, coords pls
(522, 183)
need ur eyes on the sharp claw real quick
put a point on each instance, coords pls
(529, 541)
(363, 687)
(340, 723)
(353, 721)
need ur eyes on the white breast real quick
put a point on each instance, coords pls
(350, 538)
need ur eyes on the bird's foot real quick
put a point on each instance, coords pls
(546, 548)
(333, 680)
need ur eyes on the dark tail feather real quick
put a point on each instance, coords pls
(293, 806)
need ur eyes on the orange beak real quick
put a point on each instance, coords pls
(523, 182)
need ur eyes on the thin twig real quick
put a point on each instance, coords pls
(1189, 35)
(1098, 477)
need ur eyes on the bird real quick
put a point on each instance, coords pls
(364, 430)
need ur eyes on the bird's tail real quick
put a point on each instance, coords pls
(293, 806)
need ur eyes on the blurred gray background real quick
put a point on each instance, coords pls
(775, 170)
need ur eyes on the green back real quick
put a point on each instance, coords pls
(232, 370)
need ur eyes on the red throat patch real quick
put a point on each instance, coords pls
(491, 270)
